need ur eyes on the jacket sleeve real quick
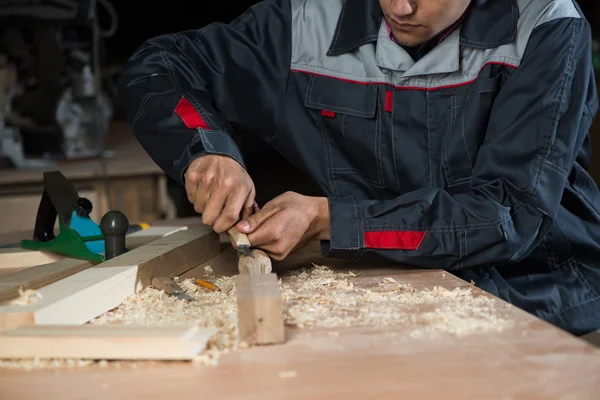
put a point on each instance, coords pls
(538, 122)
(185, 93)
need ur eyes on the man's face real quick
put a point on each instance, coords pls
(414, 22)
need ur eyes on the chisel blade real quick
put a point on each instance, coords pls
(245, 250)
(170, 287)
(183, 296)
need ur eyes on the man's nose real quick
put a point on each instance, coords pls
(401, 8)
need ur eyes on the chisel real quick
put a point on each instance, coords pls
(240, 241)
(249, 260)
(170, 287)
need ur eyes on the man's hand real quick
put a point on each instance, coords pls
(221, 190)
(286, 223)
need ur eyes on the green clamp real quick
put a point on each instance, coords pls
(67, 243)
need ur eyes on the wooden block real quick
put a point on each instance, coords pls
(83, 296)
(260, 309)
(105, 342)
(260, 264)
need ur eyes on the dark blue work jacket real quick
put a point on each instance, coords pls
(472, 159)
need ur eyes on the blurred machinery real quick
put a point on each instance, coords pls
(52, 102)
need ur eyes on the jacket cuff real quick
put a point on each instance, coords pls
(208, 142)
(345, 229)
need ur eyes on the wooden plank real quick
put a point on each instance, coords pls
(9, 271)
(11, 258)
(260, 308)
(89, 293)
(105, 342)
(42, 275)
(16, 257)
(225, 264)
(39, 276)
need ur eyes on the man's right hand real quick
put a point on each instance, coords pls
(221, 190)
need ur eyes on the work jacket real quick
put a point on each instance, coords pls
(472, 159)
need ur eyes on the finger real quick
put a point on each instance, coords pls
(231, 211)
(266, 235)
(254, 221)
(200, 198)
(249, 208)
(191, 188)
(214, 205)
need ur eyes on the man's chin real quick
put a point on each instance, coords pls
(409, 40)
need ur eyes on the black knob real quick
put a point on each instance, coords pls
(114, 225)
(83, 207)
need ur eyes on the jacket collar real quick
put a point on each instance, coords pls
(489, 24)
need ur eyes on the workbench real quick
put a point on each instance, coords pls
(128, 180)
(528, 360)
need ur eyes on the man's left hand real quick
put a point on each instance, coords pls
(286, 223)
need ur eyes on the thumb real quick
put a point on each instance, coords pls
(250, 223)
(254, 221)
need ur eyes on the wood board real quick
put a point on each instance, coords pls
(104, 342)
(83, 296)
(18, 258)
(40, 275)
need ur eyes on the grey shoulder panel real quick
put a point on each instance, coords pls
(534, 13)
(314, 24)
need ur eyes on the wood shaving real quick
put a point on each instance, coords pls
(287, 374)
(320, 298)
(189, 286)
(208, 269)
(30, 365)
(26, 297)
(313, 298)
(353, 274)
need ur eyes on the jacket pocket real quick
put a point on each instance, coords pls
(471, 107)
(348, 116)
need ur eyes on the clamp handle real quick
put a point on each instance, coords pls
(114, 225)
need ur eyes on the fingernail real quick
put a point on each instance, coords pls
(244, 225)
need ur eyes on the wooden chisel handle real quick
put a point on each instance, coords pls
(238, 238)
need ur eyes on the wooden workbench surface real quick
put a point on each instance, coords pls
(528, 360)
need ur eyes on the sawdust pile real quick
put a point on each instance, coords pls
(325, 299)
(313, 298)
(209, 309)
